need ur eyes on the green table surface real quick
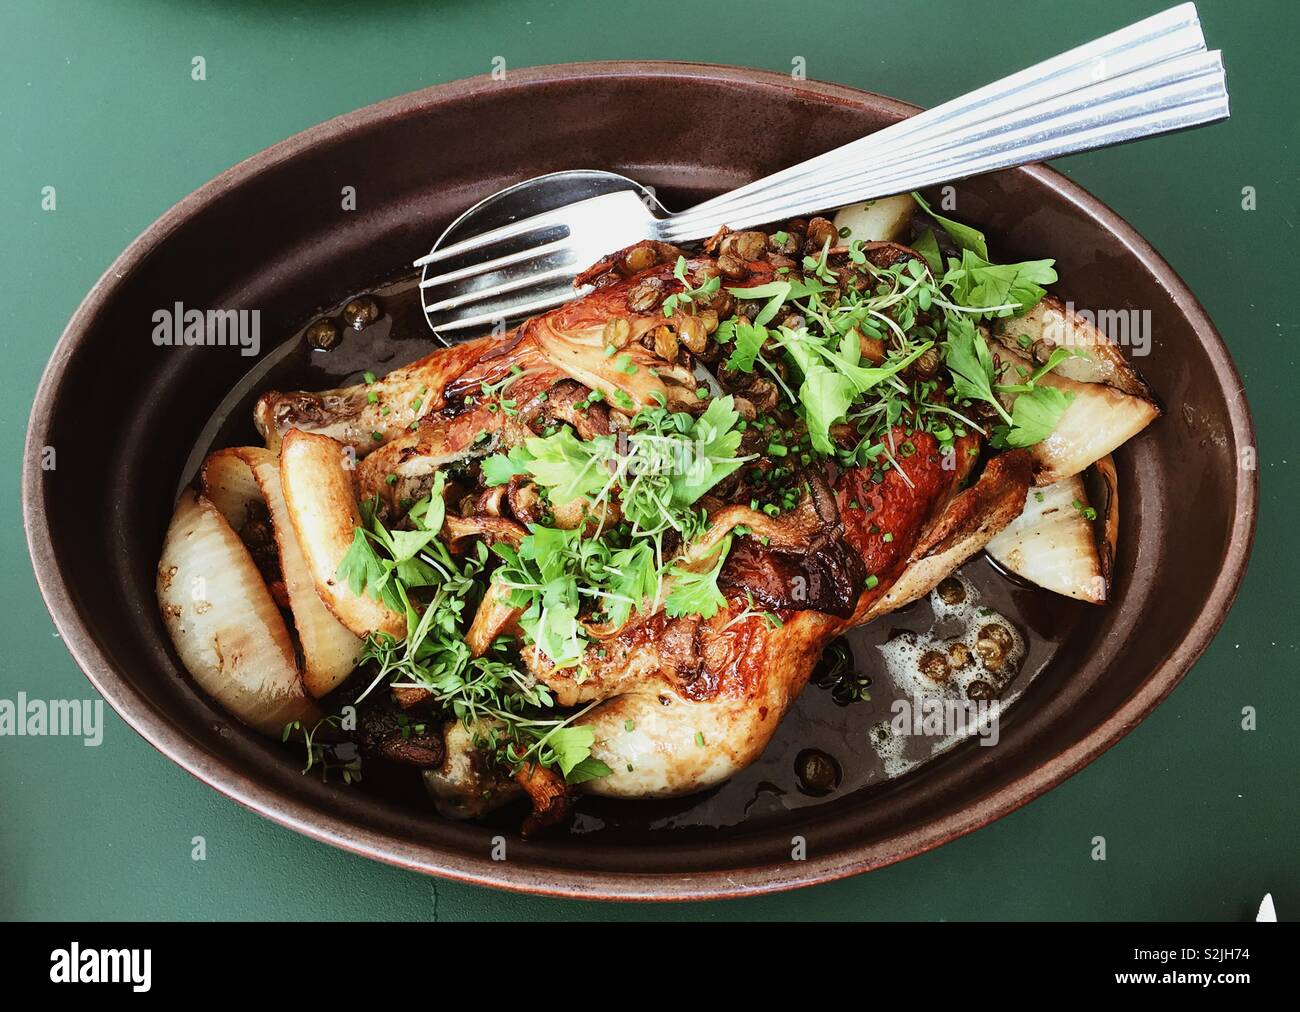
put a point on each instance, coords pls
(96, 99)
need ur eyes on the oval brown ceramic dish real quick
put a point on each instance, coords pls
(123, 414)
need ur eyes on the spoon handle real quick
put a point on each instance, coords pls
(1152, 77)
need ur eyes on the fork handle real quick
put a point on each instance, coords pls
(1149, 78)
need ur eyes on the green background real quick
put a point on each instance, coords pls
(96, 99)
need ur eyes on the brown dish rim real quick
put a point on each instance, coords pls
(154, 726)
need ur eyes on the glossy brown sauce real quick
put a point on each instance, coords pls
(818, 738)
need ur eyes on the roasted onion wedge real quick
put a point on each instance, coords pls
(224, 623)
(880, 220)
(1096, 359)
(329, 650)
(323, 512)
(229, 484)
(1053, 544)
(1098, 420)
(242, 480)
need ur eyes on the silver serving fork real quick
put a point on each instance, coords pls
(518, 252)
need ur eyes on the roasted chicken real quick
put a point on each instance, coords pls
(500, 455)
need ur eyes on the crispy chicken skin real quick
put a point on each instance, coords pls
(689, 702)
(680, 704)
(349, 416)
(568, 341)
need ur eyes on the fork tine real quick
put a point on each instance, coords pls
(555, 296)
(511, 285)
(548, 219)
(560, 217)
(488, 266)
